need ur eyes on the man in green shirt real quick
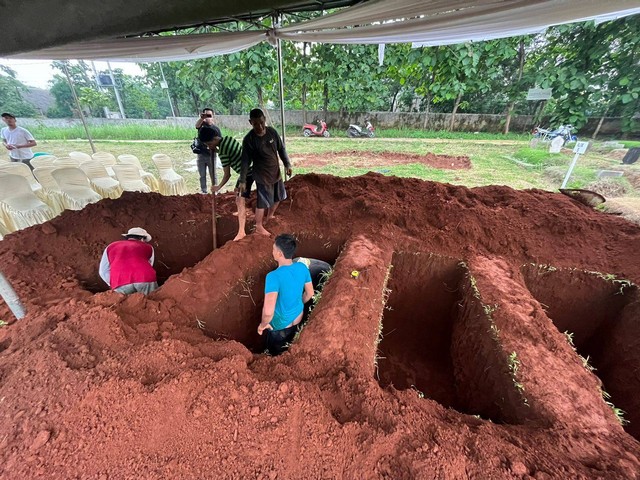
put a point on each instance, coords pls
(230, 154)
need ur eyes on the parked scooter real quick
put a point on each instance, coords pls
(358, 131)
(315, 130)
(564, 131)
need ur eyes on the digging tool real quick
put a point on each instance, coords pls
(11, 298)
(213, 219)
(586, 197)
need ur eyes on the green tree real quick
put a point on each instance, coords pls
(64, 106)
(592, 69)
(95, 100)
(11, 90)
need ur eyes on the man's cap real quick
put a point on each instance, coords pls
(138, 232)
(10, 115)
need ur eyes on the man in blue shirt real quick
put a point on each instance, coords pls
(286, 290)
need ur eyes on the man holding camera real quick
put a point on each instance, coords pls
(206, 158)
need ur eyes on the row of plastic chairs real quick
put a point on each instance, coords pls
(28, 198)
(23, 204)
(171, 183)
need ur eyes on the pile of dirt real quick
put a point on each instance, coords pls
(618, 154)
(445, 358)
(608, 187)
(633, 175)
(360, 159)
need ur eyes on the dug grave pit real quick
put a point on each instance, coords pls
(598, 313)
(416, 326)
(229, 307)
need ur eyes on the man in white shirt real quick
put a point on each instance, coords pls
(17, 140)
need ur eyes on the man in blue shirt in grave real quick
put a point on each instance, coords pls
(286, 290)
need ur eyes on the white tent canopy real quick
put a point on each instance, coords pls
(425, 23)
(152, 49)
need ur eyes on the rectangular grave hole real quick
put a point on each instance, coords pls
(589, 306)
(190, 243)
(415, 350)
(241, 313)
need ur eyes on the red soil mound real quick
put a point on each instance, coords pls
(445, 358)
(359, 159)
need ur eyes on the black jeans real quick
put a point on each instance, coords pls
(278, 340)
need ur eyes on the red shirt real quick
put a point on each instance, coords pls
(129, 263)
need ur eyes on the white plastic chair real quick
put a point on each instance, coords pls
(170, 182)
(55, 197)
(19, 206)
(66, 162)
(107, 159)
(4, 231)
(80, 157)
(54, 192)
(147, 177)
(100, 180)
(129, 178)
(43, 161)
(19, 168)
(75, 185)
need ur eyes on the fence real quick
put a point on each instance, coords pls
(465, 122)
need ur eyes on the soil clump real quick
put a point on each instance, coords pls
(358, 159)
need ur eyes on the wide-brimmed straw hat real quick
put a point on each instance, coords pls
(138, 232)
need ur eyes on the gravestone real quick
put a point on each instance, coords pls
(609, 173)
(556, 145)
(632, 156)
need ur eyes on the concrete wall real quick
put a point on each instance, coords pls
(466, 122)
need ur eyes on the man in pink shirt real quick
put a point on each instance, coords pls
(127, 265)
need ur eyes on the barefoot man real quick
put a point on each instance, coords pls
(230, 154)
(260, 148)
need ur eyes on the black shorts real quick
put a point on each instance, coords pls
(248, 185)
(269, 195)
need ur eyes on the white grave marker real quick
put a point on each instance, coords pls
(556, 145)
(579, 149)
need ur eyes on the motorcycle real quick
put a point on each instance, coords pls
(564, 131)
(357, 131)
(315, 130)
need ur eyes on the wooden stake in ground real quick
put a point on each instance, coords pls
(213, 219)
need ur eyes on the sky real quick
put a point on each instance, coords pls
(37, 73)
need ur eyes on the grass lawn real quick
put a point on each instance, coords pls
(495, 161)
(165, 132)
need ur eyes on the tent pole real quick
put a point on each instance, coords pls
(173, 110)
(280, 77)
(11, 298)
(80, 112)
